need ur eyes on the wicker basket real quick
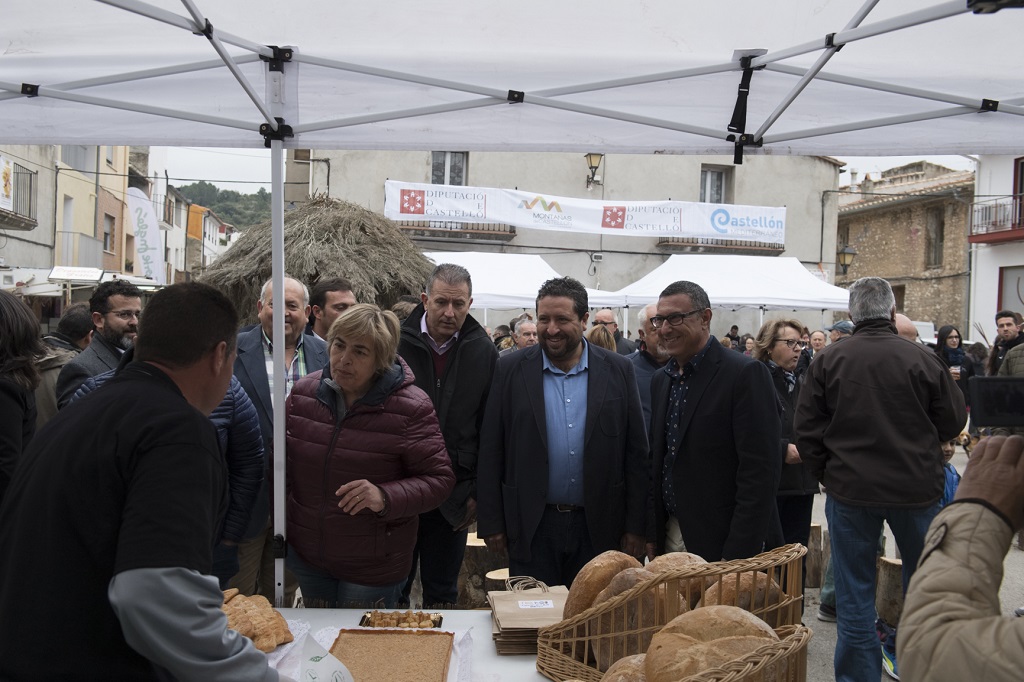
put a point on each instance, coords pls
(582, 647)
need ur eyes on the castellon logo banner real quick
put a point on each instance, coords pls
(693, 220)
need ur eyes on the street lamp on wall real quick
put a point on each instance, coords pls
(845, 256)
(593, 163)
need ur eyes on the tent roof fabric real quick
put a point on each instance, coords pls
(779, 283)
(911, 78)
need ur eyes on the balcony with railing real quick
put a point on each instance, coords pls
(22, 214)
(997, 220)
(79, 250)
(444, 230)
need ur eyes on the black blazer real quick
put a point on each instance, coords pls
(251, 372)
(512, 469)
(727, 472)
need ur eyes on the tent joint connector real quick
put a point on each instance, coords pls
(29, 90)
(207, 30)
(741, 141)
(280, 547)
(830, 41)
(269, 133)
(281, 55)
(516, 96)
(989, 105)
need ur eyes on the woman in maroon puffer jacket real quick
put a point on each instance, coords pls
(365, 458)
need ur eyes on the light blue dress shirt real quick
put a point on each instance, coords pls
(565, 411)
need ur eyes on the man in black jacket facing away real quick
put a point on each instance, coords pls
(453, 360)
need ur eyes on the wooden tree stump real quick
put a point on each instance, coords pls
(814, 564)
(472, 577)
(889, 590)
(494, 581)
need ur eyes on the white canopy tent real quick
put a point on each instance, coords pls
(768, 283)
(913, 77)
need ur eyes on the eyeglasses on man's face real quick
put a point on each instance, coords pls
(794, 344)
(126, 314)
(673, 320)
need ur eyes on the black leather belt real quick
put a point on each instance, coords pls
(565, 507)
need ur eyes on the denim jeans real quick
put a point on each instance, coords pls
(854, 532)
(322, 590)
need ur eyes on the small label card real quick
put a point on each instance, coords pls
(537, 604)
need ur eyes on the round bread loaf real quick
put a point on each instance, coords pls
(623, 580)
(594, 577)
(626, 619)
(751, 591)
(709, 623)
(675, 657)
(673, 561)
(628, 669)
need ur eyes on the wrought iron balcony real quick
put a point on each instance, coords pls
(444, 230)
(997, 220)
(22, 215)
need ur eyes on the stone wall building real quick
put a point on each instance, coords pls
(911, 228)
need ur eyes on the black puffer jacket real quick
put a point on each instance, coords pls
(459, 397)
(238, 434)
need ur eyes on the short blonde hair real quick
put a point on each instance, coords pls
(769, 334)
(365, 320)
(599, 336)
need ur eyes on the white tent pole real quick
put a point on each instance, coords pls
(393, 115)
(277, 266)
(809, 75)
(638, 80)
(943, 11)
(874, 123)
(137, 75)
(218, 47)
(960, 100)
(45, 91)
(173, 19)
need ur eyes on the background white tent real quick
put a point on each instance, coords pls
(510, 280)
(733, 282)
(912, 78)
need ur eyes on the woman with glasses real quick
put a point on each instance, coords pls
(20, 347)
(949, 348)
(365, 458)
(778, 345)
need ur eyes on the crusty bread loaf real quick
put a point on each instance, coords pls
(676, 560)
(627, 618)
(594, 577)
(715, 622)
(750, 591)
(623, 580)
(675, 657)
(628, 669)
(256, 619)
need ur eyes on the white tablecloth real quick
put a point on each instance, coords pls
(487, 665)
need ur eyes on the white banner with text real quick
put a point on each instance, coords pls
(457, 204)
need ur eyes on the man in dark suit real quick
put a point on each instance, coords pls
(115, 307)
(303, 354)
(715, 432)
(563, 470)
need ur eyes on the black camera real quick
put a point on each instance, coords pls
(997, 401)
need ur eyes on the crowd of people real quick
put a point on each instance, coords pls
(556, 435)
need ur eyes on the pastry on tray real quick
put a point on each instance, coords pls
(395, 655)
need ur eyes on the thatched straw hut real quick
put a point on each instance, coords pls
(325, 238)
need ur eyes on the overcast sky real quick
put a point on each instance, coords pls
(246, 170)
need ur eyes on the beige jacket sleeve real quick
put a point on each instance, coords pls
(952, 626)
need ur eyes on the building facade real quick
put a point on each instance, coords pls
(910, 227)
(804, 185)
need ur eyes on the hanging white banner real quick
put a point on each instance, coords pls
(450, 203)
(148, 237)
(6, 184)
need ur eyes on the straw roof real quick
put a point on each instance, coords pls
(325, 238)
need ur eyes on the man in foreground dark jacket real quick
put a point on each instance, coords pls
(871, 415)
(453, 360)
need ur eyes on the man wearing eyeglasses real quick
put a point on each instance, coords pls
(115, 306)
(606, 317)
(715, 430)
